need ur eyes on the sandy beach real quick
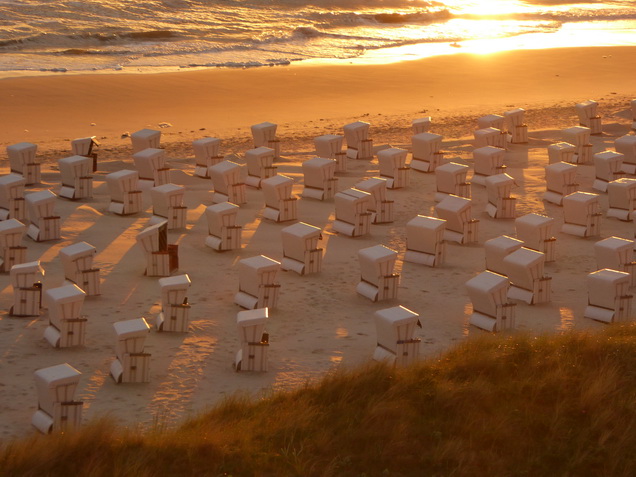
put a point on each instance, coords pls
(320, 322)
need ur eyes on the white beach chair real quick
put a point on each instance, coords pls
(77, 177)
(626, 145)
(425, 241)
(359, 145)
(579, 136)
(460, 225)
(319, 178)
(517, 130)
(12, 205)
(609, 167)
(616, 253)
(329, 146)
(491, 121)
(581, 214)
(145, 139)
(587, 112)
(378, 281)
(206, 154)
(300, 248)
(380, 206)
(83, 146)
(23, 161)
(427, 154)
(162, 258)
(125, 196)
(77, 262)
(44, 224)
(535, 230)
(524, 268)
(254, 341)
(621, 195)
(167, 203)
(488, 161)
(490, 137)
(561, 152)
(501, 205)
(67, 325)
(258, 283)
(497, 249)
(492, 311)
(421, 125)
(151, 165)
(451, 180)
(26, 280)
(396, 342)
(260, 165)
(264, 135)
(280, 203)
(131, 364)
(560, 180)
(223, 232)
(12, 252)
(228, 183)
(175, 309)
(353, 217)
(608, 296)
(393, 167)
(57, 409)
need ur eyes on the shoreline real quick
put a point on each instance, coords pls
(321, 321)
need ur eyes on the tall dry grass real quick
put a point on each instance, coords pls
(497, 405)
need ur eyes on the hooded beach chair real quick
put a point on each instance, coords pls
(125, 196)
(425, 241)
(616, 253)
(280, 203)
(43, 223)
(579, 136)
(300, 248)
(264, 135)
(524, 268)
(12, 205)
(492, 311)
(258, 283)
(319, 178)
(175, 309)
(151, 165)
(23, 161)
(228, 183)
(12, 252)
(353, 217)
(451, 180)
(77, 263)
(393, 167)
(83, 146)
(26, 280)
(608, 296)
(491, 121)
(608, 166)
(254, 341)
(329, 146)
(145, 139)
(167, 203)
(76, 173)
(581, 214)
(560, 180)
(460, 225)
(516, 128)
(626, 145)
(587, 111)
(535, 230)
(621, 195)
(490, 137)
(487, 161)
(67, 325)
(206, 154)
(420, 125)
(378, 281)
(57, 409)
(501, 205)
(132, 363)
(396, 342)
(498, 248)
(380, 206)
(260, 165)
(161, 258)
(359, 145)
(427, 154)
(223, 232)
(561, 152)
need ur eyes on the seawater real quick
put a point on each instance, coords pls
(106, 35)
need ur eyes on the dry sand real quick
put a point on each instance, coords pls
(320, 322)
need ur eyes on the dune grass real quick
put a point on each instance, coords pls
(496, 405)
